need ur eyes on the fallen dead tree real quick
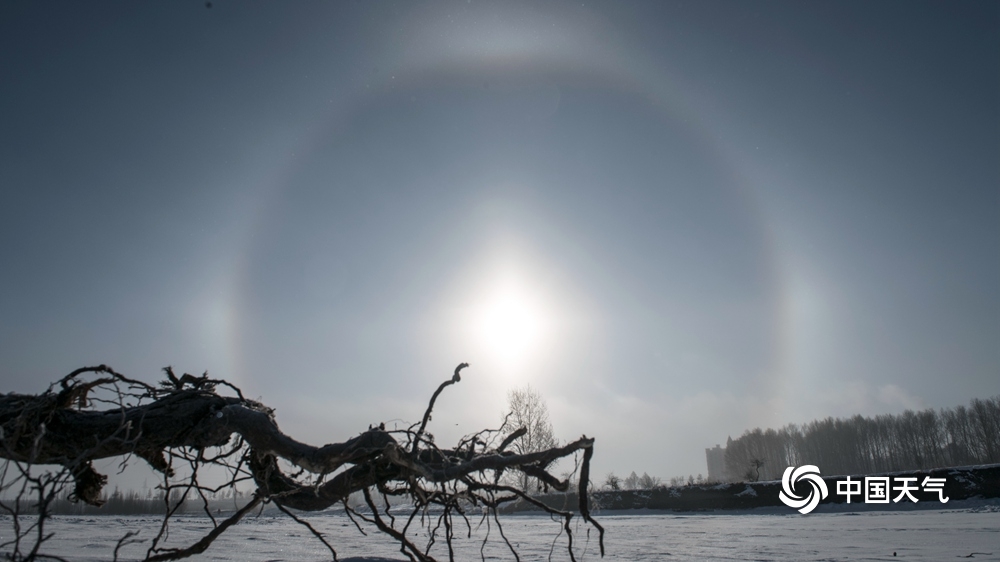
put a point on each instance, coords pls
(201, 424)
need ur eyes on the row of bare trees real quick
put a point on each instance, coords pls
(118, 502)
(864, 445)
(632, 482)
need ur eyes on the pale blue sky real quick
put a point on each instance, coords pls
(675, 220)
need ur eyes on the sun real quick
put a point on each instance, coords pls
(511, 325)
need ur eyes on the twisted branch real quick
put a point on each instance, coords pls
(184, 417)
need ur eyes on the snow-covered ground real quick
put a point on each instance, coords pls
(928, 534)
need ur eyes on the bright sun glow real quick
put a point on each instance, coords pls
(511, 325)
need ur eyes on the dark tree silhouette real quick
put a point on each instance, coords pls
(197, 423)
(612, 482)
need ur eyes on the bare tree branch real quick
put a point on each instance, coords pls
(96, 413)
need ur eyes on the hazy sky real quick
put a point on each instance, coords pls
(676, 220)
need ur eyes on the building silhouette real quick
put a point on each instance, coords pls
(716, 458)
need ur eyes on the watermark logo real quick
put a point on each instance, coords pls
(875, 489)
(817, 491)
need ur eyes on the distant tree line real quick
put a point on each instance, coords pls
(863, 445)
(633, 481)
(118, 502)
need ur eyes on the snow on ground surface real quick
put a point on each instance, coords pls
(928, 534)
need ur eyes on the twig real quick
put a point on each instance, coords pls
(427, 415)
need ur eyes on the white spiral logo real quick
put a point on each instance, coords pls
(809, 473)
